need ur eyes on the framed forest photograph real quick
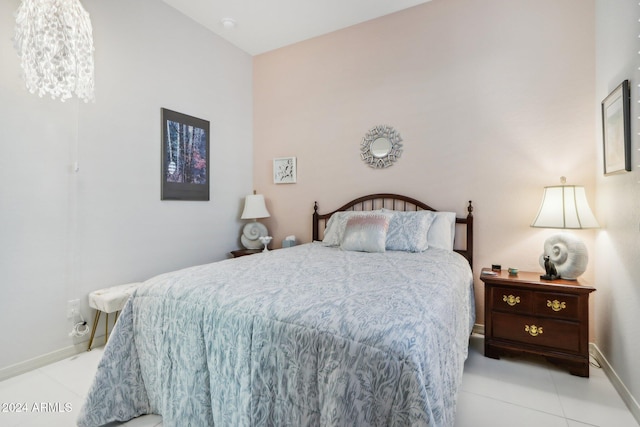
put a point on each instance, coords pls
(616, 130)
(185, 157)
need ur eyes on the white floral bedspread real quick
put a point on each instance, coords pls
(304, 336)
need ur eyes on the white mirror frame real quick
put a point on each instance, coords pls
(372, 156)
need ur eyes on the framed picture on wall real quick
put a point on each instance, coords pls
(616, 130)
(284, 170)
(185, 157)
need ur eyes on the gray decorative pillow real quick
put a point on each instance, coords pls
(366, 233)
(442, 231)
(408, 231)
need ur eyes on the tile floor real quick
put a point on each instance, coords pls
(495, 393)
(525, 392)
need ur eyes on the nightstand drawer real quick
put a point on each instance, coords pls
(556, 305)
(515, 300)
(557, 334)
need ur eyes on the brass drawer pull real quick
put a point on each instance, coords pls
(533, 330)
(511, 300)
(556, 305)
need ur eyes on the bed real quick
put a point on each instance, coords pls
(320, 334)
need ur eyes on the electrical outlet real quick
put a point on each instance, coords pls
(73, 308)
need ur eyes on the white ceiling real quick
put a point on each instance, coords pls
(264, 25)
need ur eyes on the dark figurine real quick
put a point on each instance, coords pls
(550, 269)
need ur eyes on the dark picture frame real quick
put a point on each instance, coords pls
(616, 130)
(185, 157)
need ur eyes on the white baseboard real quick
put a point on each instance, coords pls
(622, 390)
(47, 359)
(478, 329)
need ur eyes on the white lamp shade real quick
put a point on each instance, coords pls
(254, 207)
(565, 206)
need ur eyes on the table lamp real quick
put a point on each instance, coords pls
(565, 207)
(254, 208)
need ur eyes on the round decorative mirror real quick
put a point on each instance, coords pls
(381, 147)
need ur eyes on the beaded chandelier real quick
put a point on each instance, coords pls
(55, 44)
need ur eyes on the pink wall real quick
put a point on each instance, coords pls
(493, 99)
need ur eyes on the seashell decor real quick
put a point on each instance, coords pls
(568, 253)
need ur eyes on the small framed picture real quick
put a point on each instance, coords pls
(616, 130)
(284, 170)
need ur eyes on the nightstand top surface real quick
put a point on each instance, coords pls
(243, 252)
(531, 279)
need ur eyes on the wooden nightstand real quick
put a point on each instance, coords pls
(524, 314)
(243, 252)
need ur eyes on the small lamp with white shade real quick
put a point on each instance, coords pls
(254, 233)
(564, 207)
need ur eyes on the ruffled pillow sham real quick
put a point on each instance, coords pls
(441, 232)
(408, 231)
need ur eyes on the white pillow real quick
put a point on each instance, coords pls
(334, 231)
(442, 231)
(366, 233)
(408, 231)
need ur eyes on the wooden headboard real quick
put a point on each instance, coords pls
(397, 202)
